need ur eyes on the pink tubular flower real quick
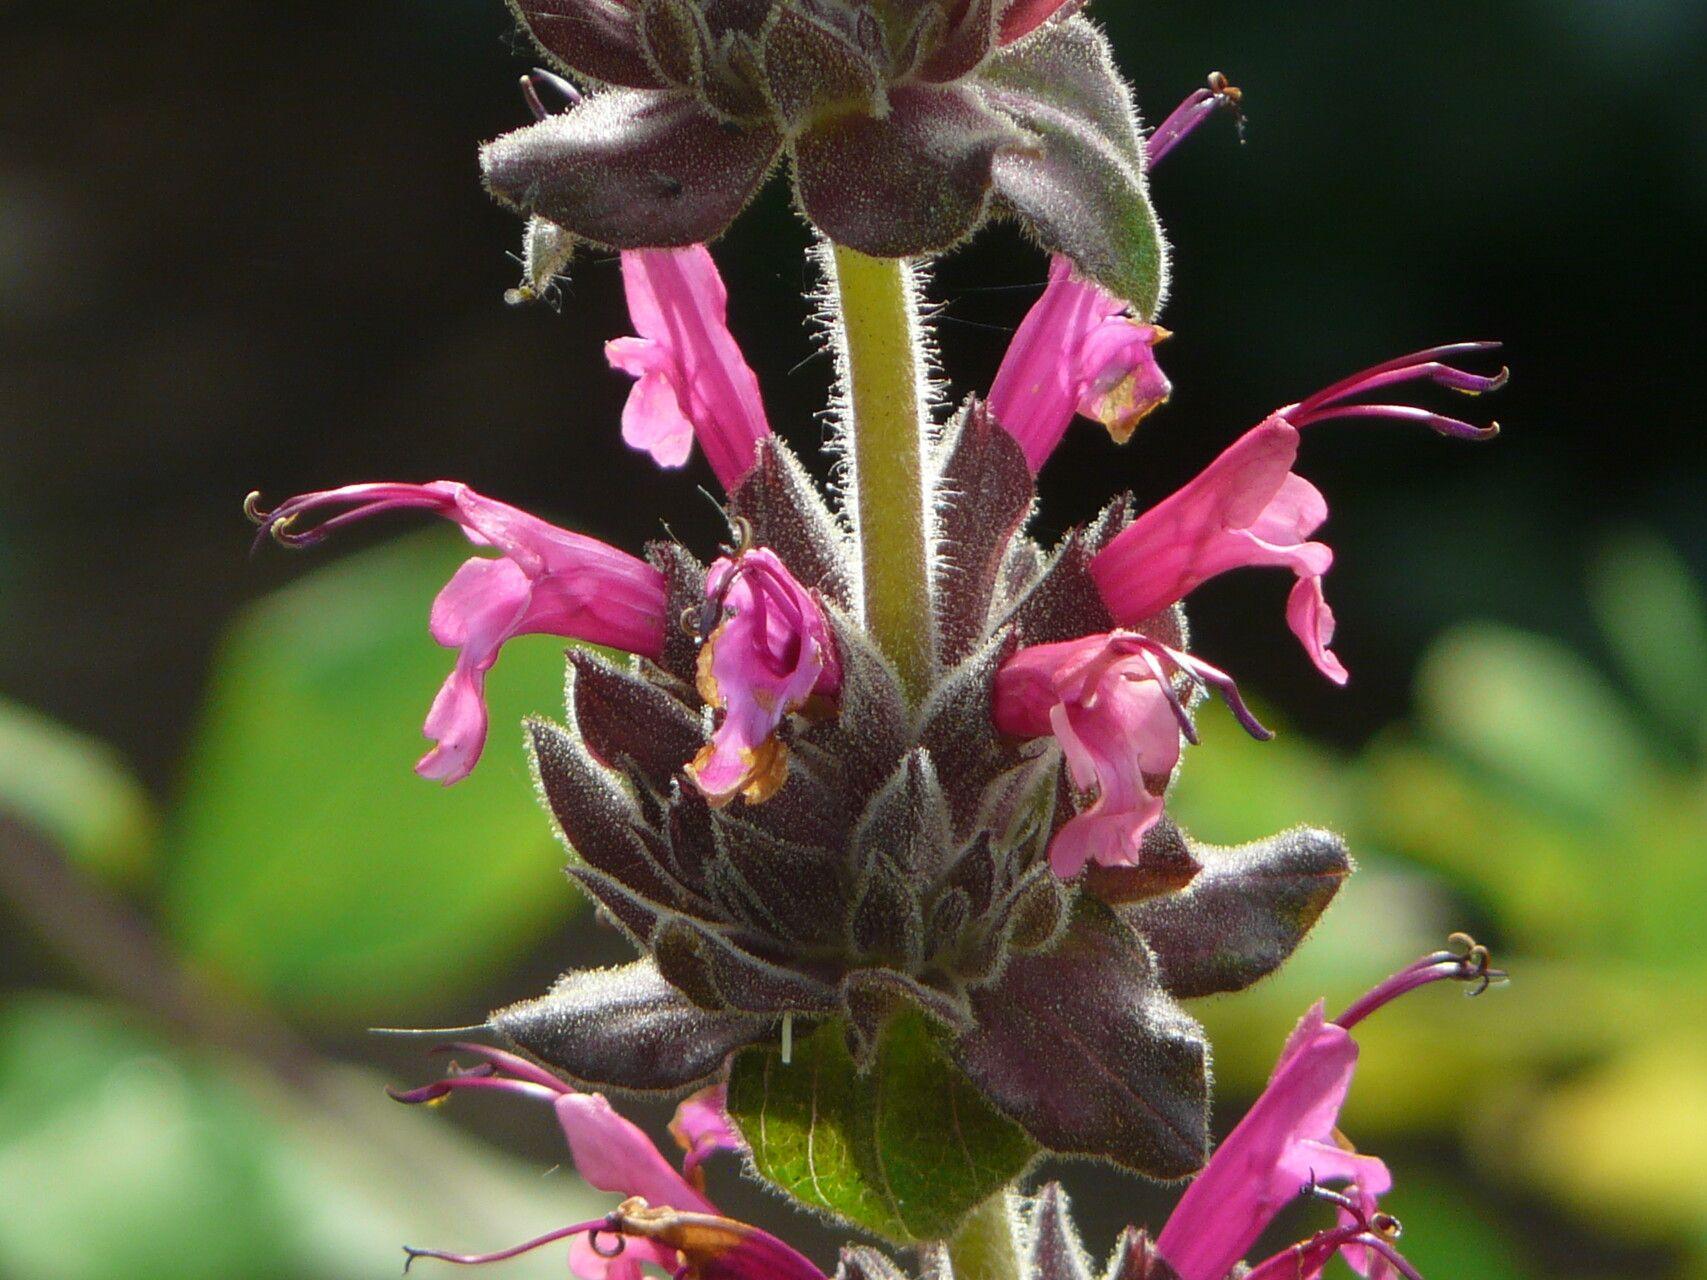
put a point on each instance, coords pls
(1111, 702)
(1246, 508)
(1077, 350)
(1249, 508)
(1288, 1143)
(664, 1220)
(692, 378)
(545, 581)
(770, 651)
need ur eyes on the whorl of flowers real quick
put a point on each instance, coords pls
(832, 792)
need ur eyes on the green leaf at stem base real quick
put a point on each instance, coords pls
(905, 1150)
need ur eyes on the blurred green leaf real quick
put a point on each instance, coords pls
(1527, 867)
(142, 1159)
(78, 792)
(1626, 1142)
(310, 863)
(1655, 620)
(1448, 1232)
(1234, 788)
(129, 1163)
(906, 1150)
(1532, 712)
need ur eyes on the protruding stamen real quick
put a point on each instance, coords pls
(1420, 366)
(498, 1070)
(1212, 679)
(540, 76)
(1219, 94)
(502, 1060)
(477, 1079)
(1473, 965)
(1439, 423)
(1374, 1231)
(591, 1229)
(361, 501)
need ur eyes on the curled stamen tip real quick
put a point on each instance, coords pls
(428, 1094)
(1493, 382)
(1476, 964)
(279, 530)
(1386, 1226)
(1222, 87)
(252, 508)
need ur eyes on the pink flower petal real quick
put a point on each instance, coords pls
(545, 581)
(701, 1125)
(693, 379)
(1101, 699)
(1246, 508)
(1285, 1140)
(613, 1154)
(1022, 17)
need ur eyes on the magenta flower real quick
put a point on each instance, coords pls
(1248, 507)
(691, 377)
(1286, 1142)
(545, 581)
(1079, 349)
(1289, 1143)
(770, 652)
(1111, 702)
(665, 1219)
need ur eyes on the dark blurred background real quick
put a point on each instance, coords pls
(244, 246)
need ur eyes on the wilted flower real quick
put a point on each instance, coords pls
(1078, 350)
(770, 651)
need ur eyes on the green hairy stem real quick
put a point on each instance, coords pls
(881, 350)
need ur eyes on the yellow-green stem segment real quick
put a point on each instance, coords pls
(883, 374)
(983, 1248)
